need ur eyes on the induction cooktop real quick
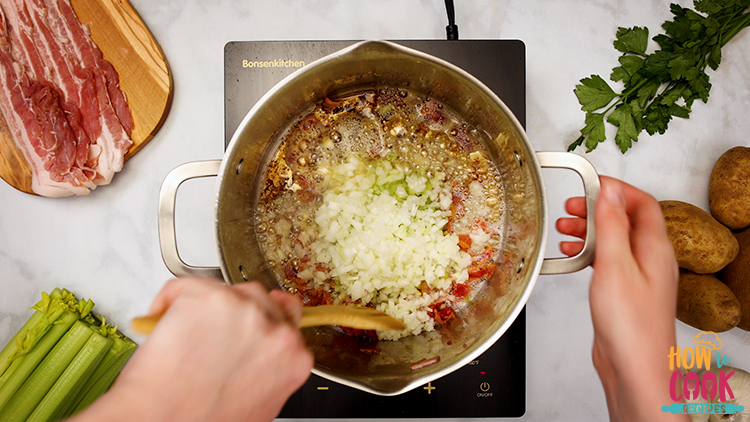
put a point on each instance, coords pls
(491, 386)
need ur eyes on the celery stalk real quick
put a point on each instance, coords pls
(61, 360)
(11, 349)
(111, 364)
(24, 366)
(122, 346)
(38, 384)
(70, 382)
(105, 374)
(41, 309)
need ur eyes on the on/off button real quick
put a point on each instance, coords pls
(485, 390)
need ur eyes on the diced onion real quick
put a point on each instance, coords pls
(382, 231)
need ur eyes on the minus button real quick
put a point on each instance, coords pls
(323, 388)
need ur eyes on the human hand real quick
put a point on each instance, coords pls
(633, 298)
(219, 353)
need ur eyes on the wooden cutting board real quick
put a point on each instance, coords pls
(144, 74)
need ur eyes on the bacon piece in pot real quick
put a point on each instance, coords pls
(482, 265)
(464, 241)
(431, 112)
(460, 291)
(424, 363)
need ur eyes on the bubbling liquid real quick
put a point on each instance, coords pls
(393, 140)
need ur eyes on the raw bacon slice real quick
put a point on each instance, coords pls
(61, 98)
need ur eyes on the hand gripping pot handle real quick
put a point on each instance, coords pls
(167, 237)
(591, 186)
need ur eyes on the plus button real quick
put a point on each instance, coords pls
(429, 388)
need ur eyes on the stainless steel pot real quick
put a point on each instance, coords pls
(366, 65)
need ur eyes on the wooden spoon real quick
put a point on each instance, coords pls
(313, 316)
(349, 316)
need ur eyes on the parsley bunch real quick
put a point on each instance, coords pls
(662, 84)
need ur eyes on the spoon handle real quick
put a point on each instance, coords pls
(312, 316)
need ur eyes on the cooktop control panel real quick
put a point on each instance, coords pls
(492, 385)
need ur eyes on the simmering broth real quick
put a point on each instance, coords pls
(383, 198)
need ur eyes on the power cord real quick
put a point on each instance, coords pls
(452, 29)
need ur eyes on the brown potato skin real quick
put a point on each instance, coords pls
(737, 277)
(729, 188)
(704, 302)
(701, 244)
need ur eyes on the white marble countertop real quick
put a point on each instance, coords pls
(105, 246)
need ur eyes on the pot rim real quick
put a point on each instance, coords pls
(540, 245)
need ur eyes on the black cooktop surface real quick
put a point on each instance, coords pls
(493, 385)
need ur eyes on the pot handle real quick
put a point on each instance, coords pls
(591, 187)
(167, 236)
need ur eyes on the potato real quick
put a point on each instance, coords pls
(704, 302)
(701, 244)
(729, 188)
(737, 276)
